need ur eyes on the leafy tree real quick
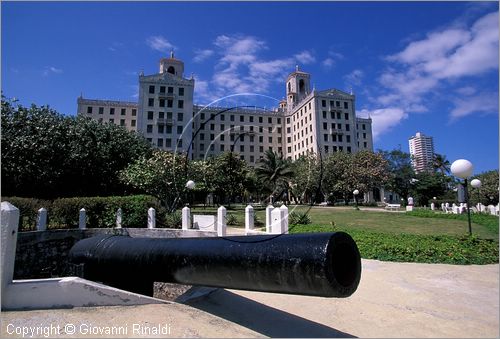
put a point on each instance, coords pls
(371, 169)
(488, 192)
(339, 177)
(49, 155)
(401, 172)
(306, 182)
(428, 185)
(441, 164)
(275, 171)
(229, 174)
(162, 175)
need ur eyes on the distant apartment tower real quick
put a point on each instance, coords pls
(306, 121)
(422, 152)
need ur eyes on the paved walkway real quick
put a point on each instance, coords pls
(393, 300)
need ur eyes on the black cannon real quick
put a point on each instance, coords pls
(317, 264)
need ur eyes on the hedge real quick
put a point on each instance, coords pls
(101, 211)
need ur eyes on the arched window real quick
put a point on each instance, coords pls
(171, 70)
(301, 86)
(289, 87)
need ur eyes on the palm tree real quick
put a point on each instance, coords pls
(440, 163)
(275, 171)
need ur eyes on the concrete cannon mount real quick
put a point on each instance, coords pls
(392, 300)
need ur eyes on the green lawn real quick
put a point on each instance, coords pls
(382, 222)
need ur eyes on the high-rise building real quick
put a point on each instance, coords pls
(306, 121)
(422, 152)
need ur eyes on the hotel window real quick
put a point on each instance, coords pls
(279, 140)
(231, 137)
(112, 111)
(270, 120)
(222, 127)
(179, 142)
(309, 105)
(212, 116)
(251, 138)
(261, 149)
(202, 147)
(151, 102)
(326, 149)
(324, 114)
(270, 139)
(346, 116)
(162, 102)
(242, 137)
(89, 110)
(242, 128)
(339, 126)
(365, 145)
(332, 115)
(150, 115)
(222, 148)
(242, 148)
(251, 128)
(122, 122)
(149, 128)
(252, 158)
(363, 126)
(288, 130)
(261, 138)
(347, 127)
(161, 115)
(287, 120)
(180, 116)
(334, 149)
(341, 148)
(279, 120)
(212, 136)
(260, 119)
(132, 123)
(181, 91)
(160, 129)
(170, 103)
(162, 89)
(202, 136)
(123, 111)
(168, 142)
(242, 118)
(334, 137)
(325, 137)
(169, 115)
(231, 117)
(212, 127)
(270, 129)
(325, 125)
(348, 138)
(279, 129)
(222, 137)
(151, 89)
(212, 147)
(340, 138)
(179, 129)
(160, 142)
(289, 139)
(338, 115)
(289, 149)
(261, 129)
(169, 129)
(112, 121)
(346, 105)
(134, 112)
(180, 104)
(222, 117)
(170, 90)
(101, 110)
(323, 103)
(252, 148)
(364, 135)
(337, 103)
(251, 118)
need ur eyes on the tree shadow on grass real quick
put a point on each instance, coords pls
(263, 319)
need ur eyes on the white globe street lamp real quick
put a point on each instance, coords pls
(476, 183)
(463, 169)
(355, 192)
(190, 184)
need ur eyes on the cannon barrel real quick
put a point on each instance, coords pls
(317, 264)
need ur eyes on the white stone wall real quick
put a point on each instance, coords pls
(107, 111)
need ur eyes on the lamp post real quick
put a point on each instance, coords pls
(476, 183)
(190, 186)
(463, 169)
(356, 192)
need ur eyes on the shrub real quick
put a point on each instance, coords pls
(231, 219)
(173, 220)
(100, 211)
(299, 218)
(462, 250)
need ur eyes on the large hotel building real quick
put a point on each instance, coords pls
(306, 121)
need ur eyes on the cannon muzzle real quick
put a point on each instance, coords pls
(316, 264)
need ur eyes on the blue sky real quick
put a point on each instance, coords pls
(414, 66)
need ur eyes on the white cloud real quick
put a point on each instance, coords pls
(354, 78)
(305, 57)
(483, 103)
(115, 46)
(429, 65)
(202, 54)
(384, 119)
(328, 62)
(159, 43)
(51, 70)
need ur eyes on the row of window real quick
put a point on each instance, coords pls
(337, 149)
(167, 143)
(335, 114)
(336, 138)
(241, 148)
(170, 90)
(250, 118)
(123, 111)
(337, 104)
(169, 103)
(337, 126)
(222, 128)
(364, 135)
(123, 122)
(161, 115)
(167, 129)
